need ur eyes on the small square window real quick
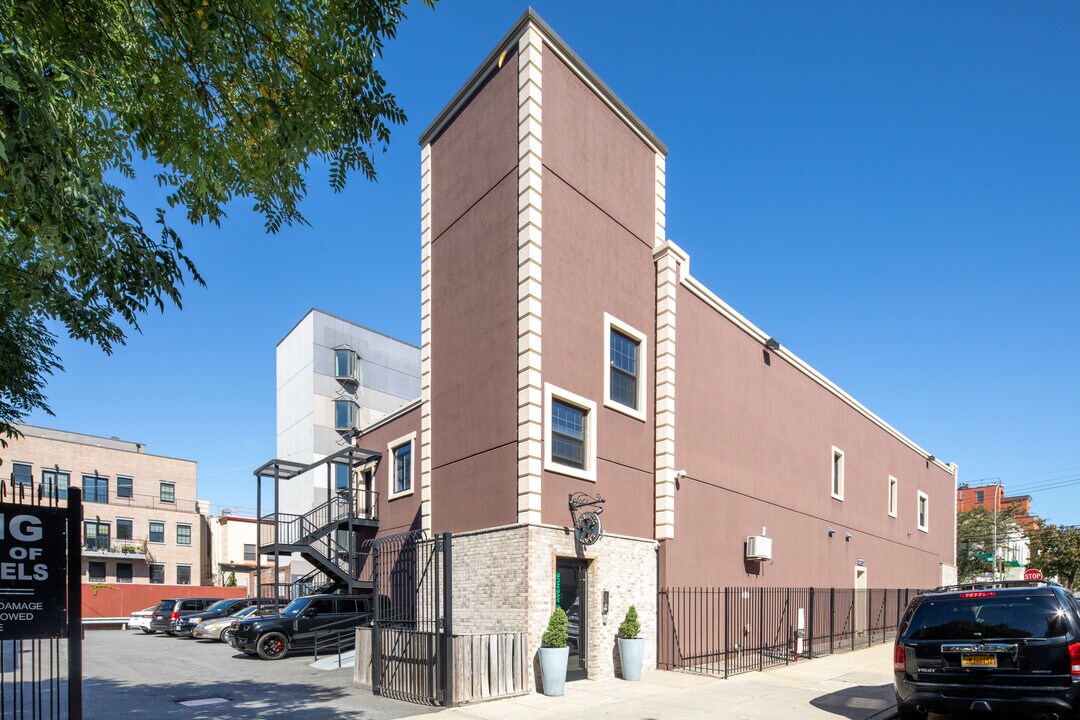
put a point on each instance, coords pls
(344, 414)
(125, 487)
(183, 534)
(892, 496)
(168, 493)
(95, 489)
(157, 532)
(55, 484)
(345, 364)
(924, 511)
(183, 574)
(22, 474)
(123, 529)
(157, 574)
(96, 536)
(96, 571)
(249, 553)
(569, 434)
(837, 473)
(124, 572)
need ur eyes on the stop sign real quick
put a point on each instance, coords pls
(1033, 574)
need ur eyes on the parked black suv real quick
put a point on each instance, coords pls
(1012, 648)
(298, 625)
(169, 610)
(184, 624)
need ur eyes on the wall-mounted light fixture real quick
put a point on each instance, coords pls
(847, 536)
(772, 344)
(831, 531)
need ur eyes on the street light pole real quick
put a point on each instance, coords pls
(997, 491)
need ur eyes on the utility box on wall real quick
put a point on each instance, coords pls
(758, 547)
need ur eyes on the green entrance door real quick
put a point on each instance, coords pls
(572, 595)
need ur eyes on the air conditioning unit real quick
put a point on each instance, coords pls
(758, 547)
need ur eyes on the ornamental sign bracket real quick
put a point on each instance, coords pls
(587, 527)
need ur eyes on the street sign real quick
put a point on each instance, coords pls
(33, 592)
(1033, 574)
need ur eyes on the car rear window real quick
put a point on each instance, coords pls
(984, 618)
(166, 605)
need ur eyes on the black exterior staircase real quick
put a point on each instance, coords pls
(314, 536)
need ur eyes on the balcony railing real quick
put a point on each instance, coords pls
(112, 547)
(10, 490)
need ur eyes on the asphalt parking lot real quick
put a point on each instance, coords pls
(130, 674)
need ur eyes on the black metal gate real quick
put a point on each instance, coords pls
(412, 624)
(41, 670)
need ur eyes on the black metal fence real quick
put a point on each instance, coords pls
(732, 630)
(41, 676)
(412, 621)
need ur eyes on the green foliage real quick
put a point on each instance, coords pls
(227, 99)
(975, 539)
(555, 635)
(231, 580)
(630, 626)
(1055, 549)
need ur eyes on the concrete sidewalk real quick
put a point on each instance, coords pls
(855, 685)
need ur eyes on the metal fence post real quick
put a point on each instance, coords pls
(74, 578)
(832, 620)
(376, 616)
(810, 626)
(448, 619)
(727, 631)
(761, 629)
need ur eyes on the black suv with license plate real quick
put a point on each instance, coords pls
(169, 610)
(299, 625)
(1011, 648)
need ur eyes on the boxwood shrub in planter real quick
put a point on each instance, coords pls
(631, 647)
(554, 654)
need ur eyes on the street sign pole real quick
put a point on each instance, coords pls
(74, 602)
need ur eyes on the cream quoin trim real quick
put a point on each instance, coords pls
(425, 339)
(660, 210)
(391, 468)
(637, 413)
(670, 261)
(894, 495)
(530, 433)
(836, 474)
(923, 498)
(710, 298)
(589, 473)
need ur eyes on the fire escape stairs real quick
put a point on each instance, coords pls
(312, 536)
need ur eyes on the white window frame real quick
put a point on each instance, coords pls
(893, 495)
(589, 473)
(191, 540)
(610, 322)
(354, 376)
(164, 532)
(923, 497)
(840, 480)
(391, 469)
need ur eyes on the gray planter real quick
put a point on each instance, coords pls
(553, 670)
(631, 653)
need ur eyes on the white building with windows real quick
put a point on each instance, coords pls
(334, 377)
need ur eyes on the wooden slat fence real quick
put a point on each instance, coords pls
(485, 666)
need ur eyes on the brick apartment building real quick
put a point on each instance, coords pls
(142, 522)
(566, 347)
(1015, 552)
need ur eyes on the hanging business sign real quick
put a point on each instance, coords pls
(33, 592)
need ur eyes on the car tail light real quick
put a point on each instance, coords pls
(1074, 659)
(978, 594)
(899, 657)
(175, 615)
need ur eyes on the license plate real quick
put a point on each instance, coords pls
(978, 661)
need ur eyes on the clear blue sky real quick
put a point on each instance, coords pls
(890, 189)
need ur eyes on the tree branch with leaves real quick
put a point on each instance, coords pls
(229, 98)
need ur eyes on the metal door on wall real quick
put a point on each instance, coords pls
(572, 595)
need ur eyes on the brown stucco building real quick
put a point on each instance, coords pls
(567, 348)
